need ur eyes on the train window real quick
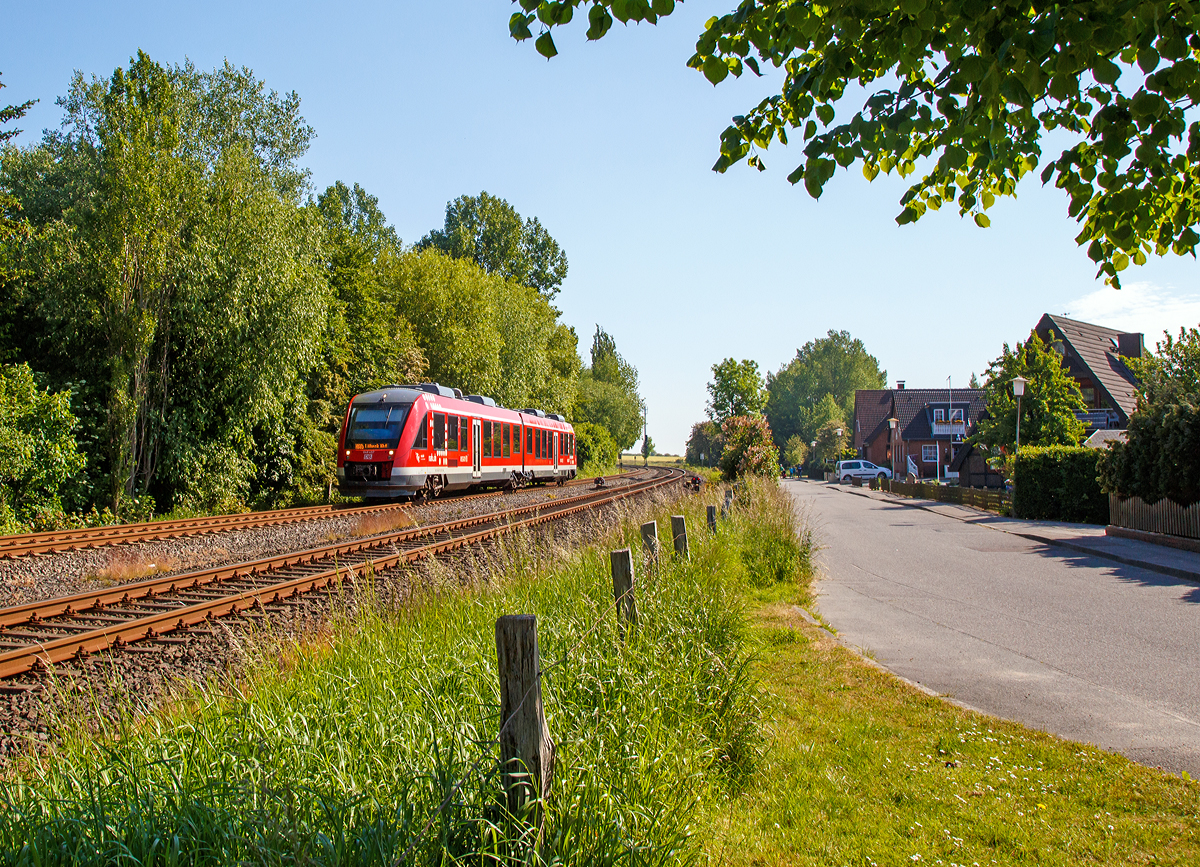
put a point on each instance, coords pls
(537, 445)
(452, 432)
(487, 439)
(546, 445)
(507, 440)
(422, 440)
(377, 426)
(529, 440)
(464, 436)
(439, 430)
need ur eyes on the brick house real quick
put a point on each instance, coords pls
(931, 425)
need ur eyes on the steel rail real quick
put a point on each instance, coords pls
(53, 541)
(92, 605)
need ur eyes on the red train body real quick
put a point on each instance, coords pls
(405, 440)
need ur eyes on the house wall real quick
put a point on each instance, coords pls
(877, 453)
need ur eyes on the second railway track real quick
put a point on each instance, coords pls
(56, 541)
(159, 610)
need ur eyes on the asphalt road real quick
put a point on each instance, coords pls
(1082, 647)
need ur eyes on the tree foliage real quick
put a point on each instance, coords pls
(818, 385)
(967, 93)
(795, 451)
(749, 448)
(40, 462)
(608, 392)
(489, 231)
(705, 444)
(832, 438)
(594, 448)
(1161, 456)
(735, 389)
(1048, 407)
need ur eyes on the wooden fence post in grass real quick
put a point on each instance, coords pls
(650, 540)
(679, 535)
(725, 509)
(712, 519)
(526, 751)
(622, 575)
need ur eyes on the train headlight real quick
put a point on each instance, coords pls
(391, 453)
(347, 453)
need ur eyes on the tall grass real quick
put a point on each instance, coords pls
(343, 751)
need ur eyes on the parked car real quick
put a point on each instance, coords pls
(847, 470)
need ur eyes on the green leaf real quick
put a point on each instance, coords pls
(982, 220)
(870, 171)
(599, 22)
(518, 26)
(663, 7)
(825, 112)
(1147, 59)
(1120, 261)
(1105, 71)
(715, 70)
(545, 45)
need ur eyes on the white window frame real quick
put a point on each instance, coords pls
(956, 415)
(926, 451)
(939, 416)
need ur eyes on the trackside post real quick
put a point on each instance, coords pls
(679, 535)
(622, 576)
(526, 751)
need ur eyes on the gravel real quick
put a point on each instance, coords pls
(35, 711)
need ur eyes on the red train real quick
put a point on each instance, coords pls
(413, 440)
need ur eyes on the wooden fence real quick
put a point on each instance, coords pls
(981, 498)
(1165, 516)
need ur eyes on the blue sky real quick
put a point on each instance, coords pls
(610, 145)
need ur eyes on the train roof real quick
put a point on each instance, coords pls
(474, 404)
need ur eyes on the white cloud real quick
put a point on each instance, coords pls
(1142, 307)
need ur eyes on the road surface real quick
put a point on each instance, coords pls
(1083, 647)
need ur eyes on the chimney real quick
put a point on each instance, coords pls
(1130, 345)
(899, 385)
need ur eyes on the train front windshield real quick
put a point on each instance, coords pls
(376, 427)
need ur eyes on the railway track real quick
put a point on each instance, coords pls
(153, 531)
(162, 611)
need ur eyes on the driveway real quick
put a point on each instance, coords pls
(1093, 650)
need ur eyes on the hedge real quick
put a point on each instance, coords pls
(1059, 483)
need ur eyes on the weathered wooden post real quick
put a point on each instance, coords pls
(725, 509)
(650, 540)
(622, 576)
(679, 535)
(526, 751)
(712, 519)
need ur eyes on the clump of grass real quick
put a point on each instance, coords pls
(382, 522)
(125, 566)
(343, 752)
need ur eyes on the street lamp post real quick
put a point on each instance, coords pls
(892, 422)
(1018, 384)
(812, 448)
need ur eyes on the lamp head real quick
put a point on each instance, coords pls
(892, 422)
(838, 431)
(1018, 384)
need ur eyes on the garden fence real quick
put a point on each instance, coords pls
(1165, 516)
(981, 498)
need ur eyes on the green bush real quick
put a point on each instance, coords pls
(40, 461)
(594, 448)
(749, 448)
(1059, 483)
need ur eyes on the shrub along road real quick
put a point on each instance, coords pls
(1083, 647)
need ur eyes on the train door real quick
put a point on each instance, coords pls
(476, 463)
(556, 453)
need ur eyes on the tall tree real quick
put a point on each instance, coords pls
(490, 232)
(1048, 407)
(10, 226)
(836, 365)
(735, 389)
(971, 90)
(608, 392)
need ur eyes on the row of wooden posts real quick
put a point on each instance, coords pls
(526, 750)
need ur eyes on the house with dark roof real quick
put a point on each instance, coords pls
(1095, 357)
(931, 424)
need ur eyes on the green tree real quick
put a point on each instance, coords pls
(735, 389)
(833, 367)
(1048, 407)
(11, 228)
(608, 392)
(647, 449)
(595, 449)
(489, 231)
(832, 439)
(749, 448)
(705, 444)
(1161, 455)
(968, 93)
(795, 451)
(40, 462)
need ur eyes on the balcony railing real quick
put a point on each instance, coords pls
(949, 428)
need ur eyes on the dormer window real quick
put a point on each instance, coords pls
(956, 415)
(939, 415)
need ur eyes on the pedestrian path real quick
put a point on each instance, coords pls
(1084, 538)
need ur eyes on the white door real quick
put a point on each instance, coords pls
(476, 463)
(556, 452)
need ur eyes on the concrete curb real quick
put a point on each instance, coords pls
(1161, 568)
